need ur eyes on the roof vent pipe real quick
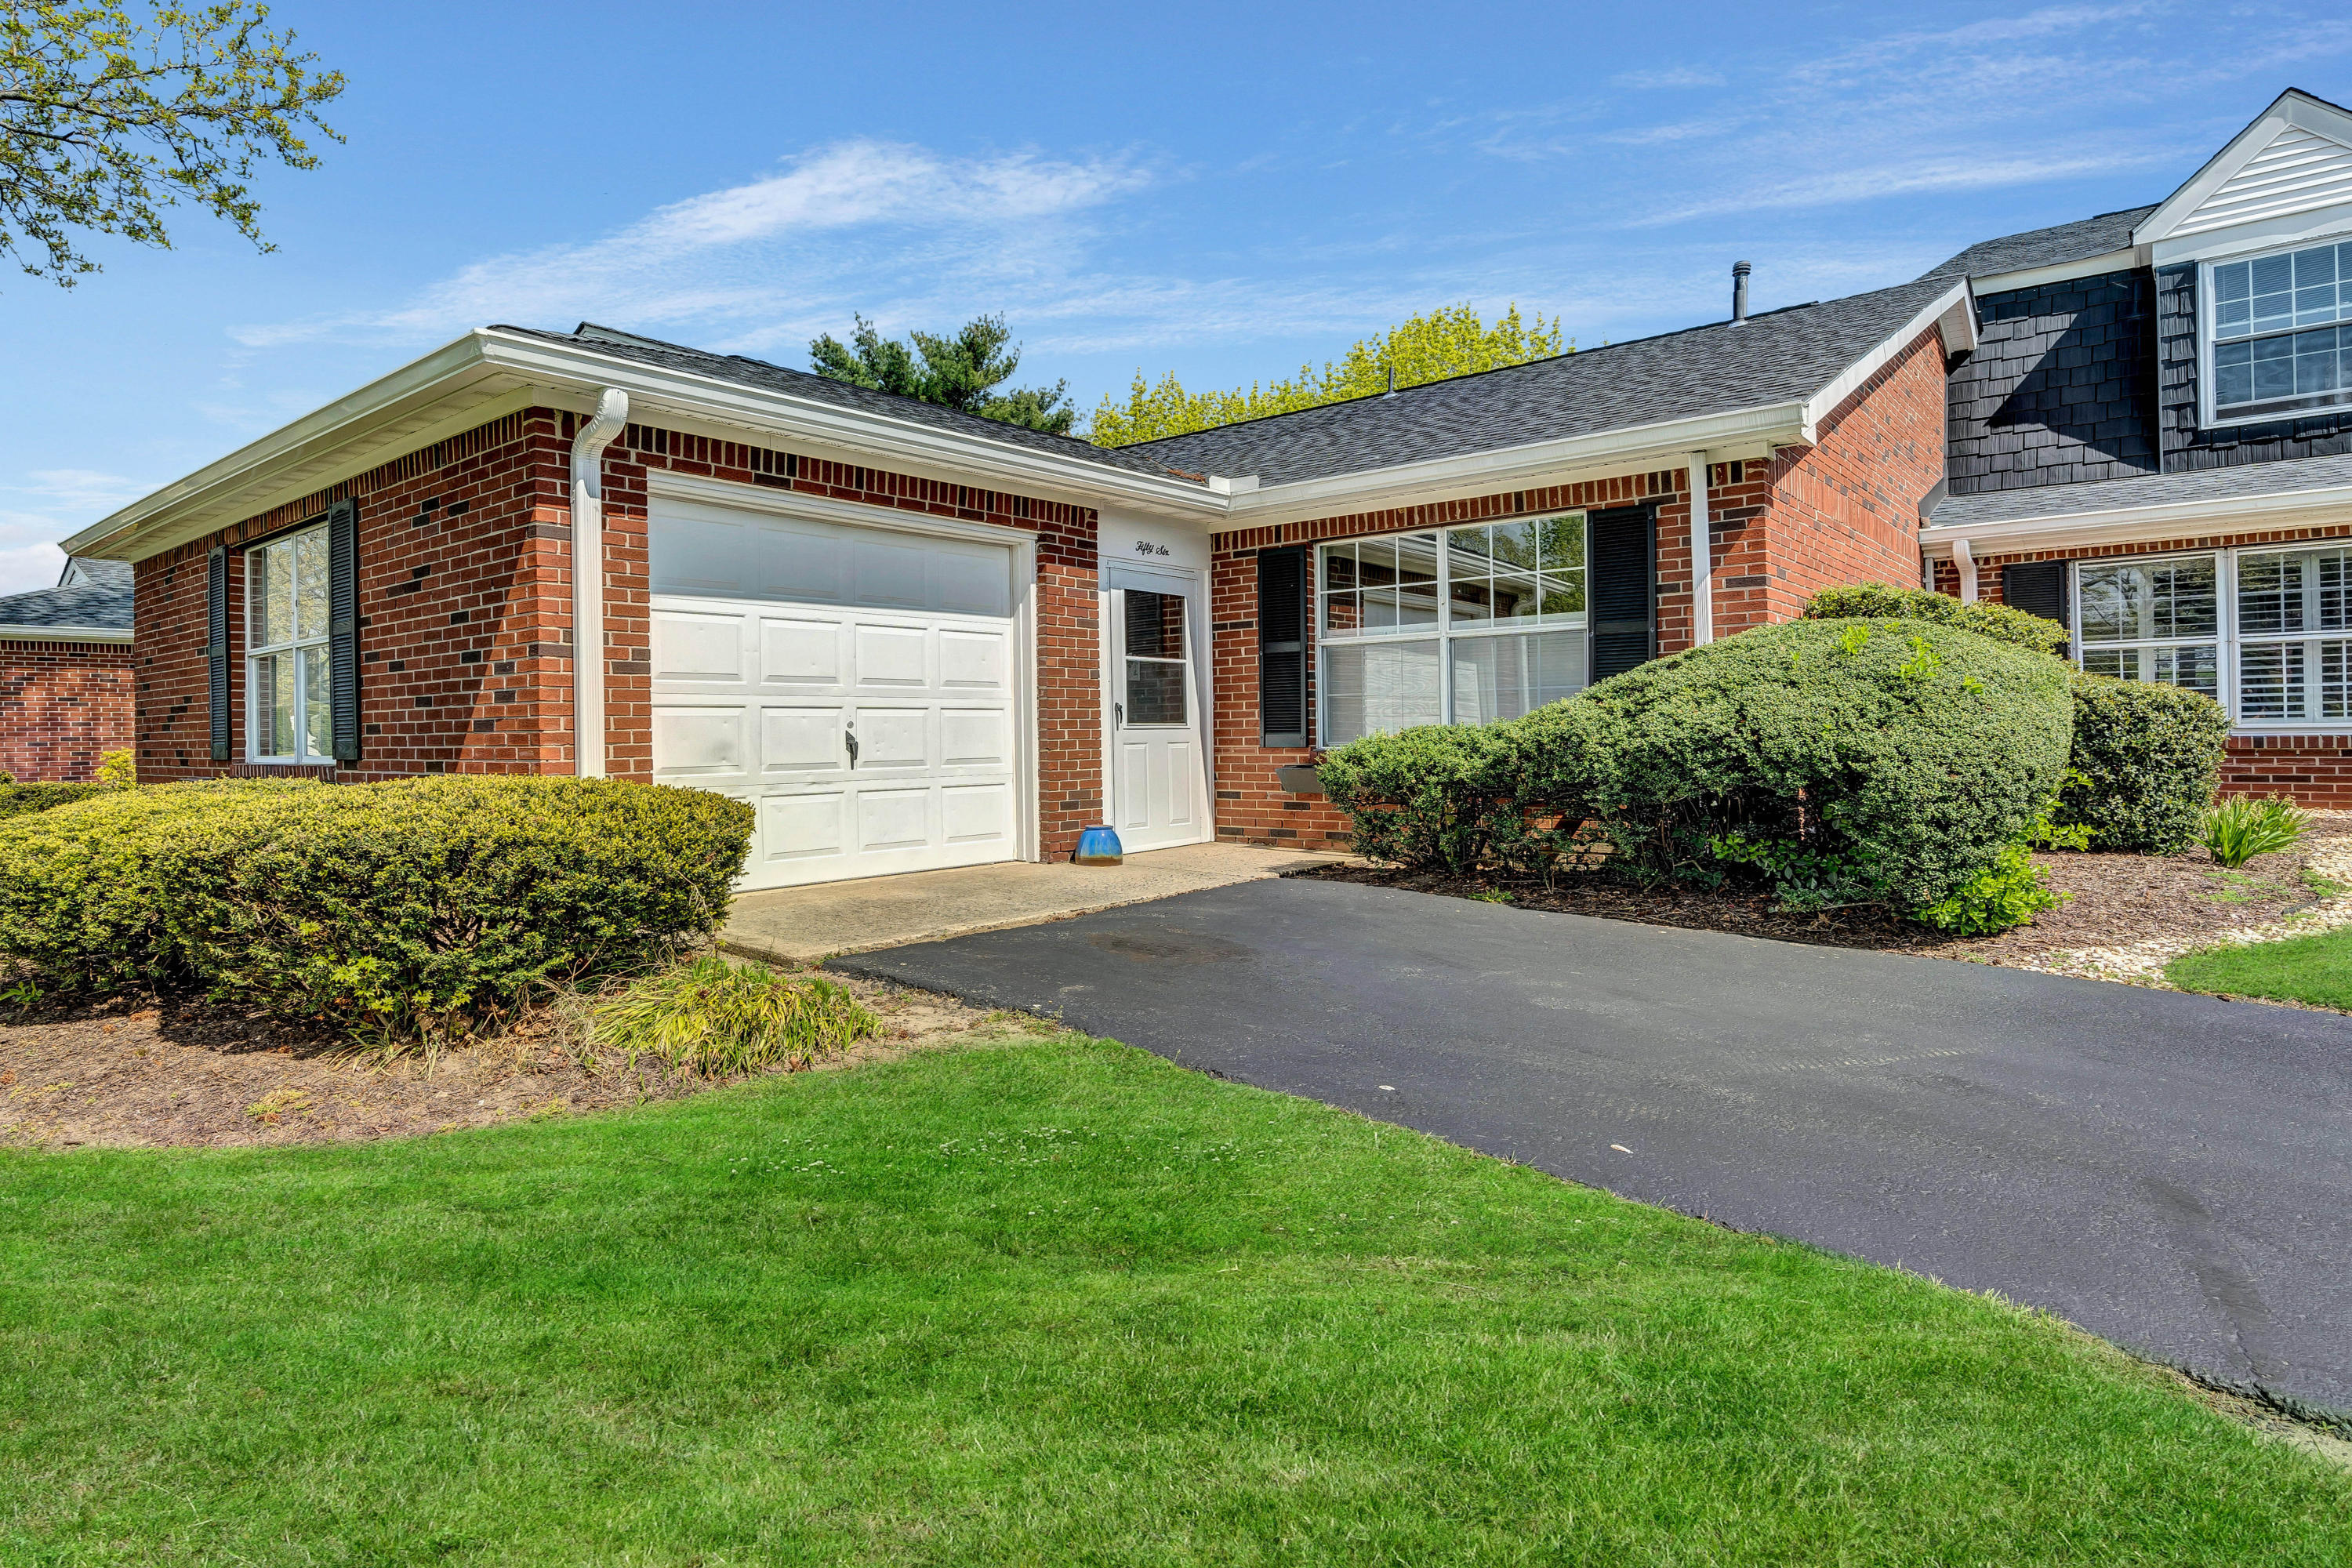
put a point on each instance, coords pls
(1738, 292)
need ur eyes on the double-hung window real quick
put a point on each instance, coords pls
(2293, 634)
(290, 718)
(2152, 620)
(2277, 348)
(1454, 626)
(2265, 633)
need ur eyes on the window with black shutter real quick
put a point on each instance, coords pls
(2039, 588)
(1282, 647)
(1624, 576)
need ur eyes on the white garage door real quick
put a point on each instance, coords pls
(856, 685)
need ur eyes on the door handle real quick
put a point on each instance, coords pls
(1121, 710)
(849, 737)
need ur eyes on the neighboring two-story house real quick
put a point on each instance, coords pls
(914, 638)
(2152, 442)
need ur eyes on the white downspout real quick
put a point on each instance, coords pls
(588, 742)
(1702, 549)
(1965, 563)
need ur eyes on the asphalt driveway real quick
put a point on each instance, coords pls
(2173, 1172)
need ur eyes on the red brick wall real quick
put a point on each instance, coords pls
(465, 608)
(1846, 510)
(62, 705)
(464, 586)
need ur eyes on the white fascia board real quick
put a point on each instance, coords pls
(1743, 432)
(2062, 271)
(487, 372)
(780, 415)
(2262, 234)
(2292, 107)
(2124, 525)
(65, 633)
(1954, 311)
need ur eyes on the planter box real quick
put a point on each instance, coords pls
(1298, 779)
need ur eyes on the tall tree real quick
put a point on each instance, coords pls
(962, 371)
(1447, 342)
(107, 119)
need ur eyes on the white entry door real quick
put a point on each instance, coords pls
(1159, 788)
(856, 686)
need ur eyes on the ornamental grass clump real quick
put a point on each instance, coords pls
(2239, 828)
(714, 1018)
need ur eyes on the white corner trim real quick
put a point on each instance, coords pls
(1954, 311)
(65, 633)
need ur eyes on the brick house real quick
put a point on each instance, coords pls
(914, 639)
(65, 674)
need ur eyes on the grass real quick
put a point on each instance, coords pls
(2316, 969)
(1040, 1301)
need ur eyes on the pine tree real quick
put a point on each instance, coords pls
(963, 370)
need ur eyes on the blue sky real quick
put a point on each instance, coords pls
(1220, 191)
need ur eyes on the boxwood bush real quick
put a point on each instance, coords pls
(1434, 795)
(2147, 761)
(1876, 601)
(24, 799)
(414, 909)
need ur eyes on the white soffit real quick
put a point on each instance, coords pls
(2295, 157)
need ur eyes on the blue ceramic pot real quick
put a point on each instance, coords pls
(1100, 846)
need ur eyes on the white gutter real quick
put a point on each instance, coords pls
(2126, 525)
(588, 580)
(65, 633)
(1702, 549)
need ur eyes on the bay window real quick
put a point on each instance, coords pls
(2265, 633)
(1454, 626)
(287, 654)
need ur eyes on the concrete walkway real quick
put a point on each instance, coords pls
(804, 925)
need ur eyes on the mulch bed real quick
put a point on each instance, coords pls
(2116, 900)
(183, 1073)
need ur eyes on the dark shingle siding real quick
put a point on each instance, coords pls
(2053, 247)
(2060, 389)
(1779, 357)
(2185, 446)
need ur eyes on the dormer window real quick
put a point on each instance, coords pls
(2275, 349)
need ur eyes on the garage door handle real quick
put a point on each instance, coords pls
(852, 740)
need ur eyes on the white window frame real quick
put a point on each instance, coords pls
(1444, 633)
(2209, 415)
(257, 727)
(2228, 634)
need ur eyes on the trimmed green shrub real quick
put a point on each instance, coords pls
(412, 909)
(717, 1019)
(1876, 601)
(1429, 797)
(24, 799)
(2147, 759)
(1903, 753)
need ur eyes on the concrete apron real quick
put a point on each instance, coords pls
(804, 925)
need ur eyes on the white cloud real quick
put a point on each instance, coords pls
(799, 243)
(1675, 76)
(51, 504)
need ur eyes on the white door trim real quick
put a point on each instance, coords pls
(1192, 583)
(663, 485)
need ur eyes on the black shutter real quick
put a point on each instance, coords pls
(1622, 550)
(2039, 588)
(1282, 648)
(343, 627)
(216, 650)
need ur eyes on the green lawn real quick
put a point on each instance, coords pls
(2314, 969)
(1051, 1302)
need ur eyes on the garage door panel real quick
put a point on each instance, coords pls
(975, 738)
(703, 553)
(969, 579)
(802, 826)
(703, 649)
(891, 657)
(894, 737)
(698, 742)
(894, 818)
(799, 655)
(802, 741)
(976, 813)
(975, 662)
(887, 571)
(805, 562)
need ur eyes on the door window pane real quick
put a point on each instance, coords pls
(1376, 687)
(1155, 624)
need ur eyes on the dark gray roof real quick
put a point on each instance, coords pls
(2046, 246)
(1777, 357)
(803, 383)
(81, 571)
(2240, 481)
(101, 603)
